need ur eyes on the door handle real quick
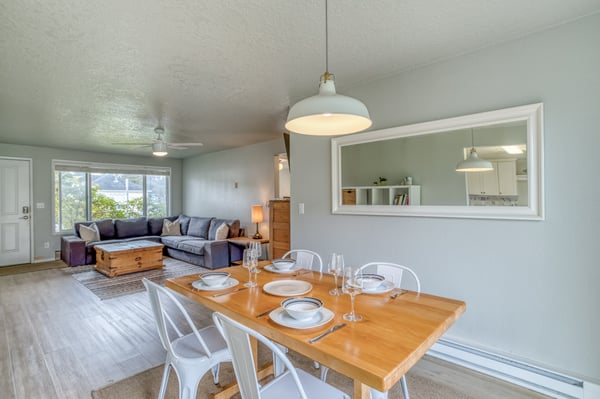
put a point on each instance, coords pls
(24, 217)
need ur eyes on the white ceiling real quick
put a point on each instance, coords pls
(82, 74)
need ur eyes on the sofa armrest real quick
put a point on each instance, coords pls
(216, 254)
(72, 250)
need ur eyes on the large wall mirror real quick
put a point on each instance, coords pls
(411, 170)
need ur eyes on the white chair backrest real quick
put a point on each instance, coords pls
(305, 258)
(161, 300)
(238, 340)
(392, 272)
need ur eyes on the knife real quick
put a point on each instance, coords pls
(266, 312)
(230, 292)
(332, 329)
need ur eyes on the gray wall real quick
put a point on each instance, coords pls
(42, 185)
(531, 287)
(209, 183)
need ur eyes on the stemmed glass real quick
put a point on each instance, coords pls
(257, 247)
(335, 267)
(351, 285)
(249, 261)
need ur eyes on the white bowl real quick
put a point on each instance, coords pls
(214, 278)
(370, 281)
(304, 308)
(283, 264)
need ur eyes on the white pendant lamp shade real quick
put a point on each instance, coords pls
(474, 164)
(328, 113)
(159, 149)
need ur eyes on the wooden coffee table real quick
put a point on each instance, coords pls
(128, 257)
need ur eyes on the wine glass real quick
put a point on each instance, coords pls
(334, 268)
(257, 248)
(351, 285)
(249, 261)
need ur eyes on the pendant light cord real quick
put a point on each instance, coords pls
(326, 44)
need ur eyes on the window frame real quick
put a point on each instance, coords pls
(94, 167)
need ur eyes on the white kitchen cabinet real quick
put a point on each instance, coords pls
(500, 181)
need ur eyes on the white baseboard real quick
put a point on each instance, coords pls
(43, 260)
(532, 377)
(591, 391)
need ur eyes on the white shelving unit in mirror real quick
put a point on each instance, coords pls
(381, 195)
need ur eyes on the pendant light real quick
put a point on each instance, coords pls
(473, 163)
(328, 113)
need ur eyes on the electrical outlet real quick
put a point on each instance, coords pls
(46, 244)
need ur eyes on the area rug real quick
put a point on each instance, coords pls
(111, 287)
(147, 384)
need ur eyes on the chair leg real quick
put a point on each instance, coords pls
(375, 394)
(165, 379)
(215, 372)
(324, 371)
(317, 365)
(188, 383)
(404, 387)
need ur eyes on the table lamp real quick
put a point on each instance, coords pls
(257, 217)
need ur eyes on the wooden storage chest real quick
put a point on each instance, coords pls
(130, 257)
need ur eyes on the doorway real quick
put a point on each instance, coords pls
(15, 211)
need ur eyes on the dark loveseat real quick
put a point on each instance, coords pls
(196, 245)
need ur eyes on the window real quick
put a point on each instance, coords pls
(86, 191)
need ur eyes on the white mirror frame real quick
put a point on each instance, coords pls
(532, 113)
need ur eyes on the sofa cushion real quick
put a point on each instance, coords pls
(126, 228)
(171, 228)
(106, 228)
(233, 224)
(174, 241)
(222, 232)
(89, 233)
(199, 227)
(155, 225)
(184, 222)
(195, 247)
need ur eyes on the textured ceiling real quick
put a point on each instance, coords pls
(83, 74)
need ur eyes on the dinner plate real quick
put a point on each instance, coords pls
(382, 288)
(281, 317)
(199, 285)
(287, 287)
(273, 269)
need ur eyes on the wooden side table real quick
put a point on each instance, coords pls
(244, 242)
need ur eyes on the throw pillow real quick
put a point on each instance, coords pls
(222, 232)
(89, 233)
(171, 228)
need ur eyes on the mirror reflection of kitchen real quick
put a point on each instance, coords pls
(421, 169)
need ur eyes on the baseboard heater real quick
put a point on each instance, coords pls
(532, 377)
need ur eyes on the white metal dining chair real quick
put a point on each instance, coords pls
(305, 258)
(191, 355)
(292, 383)
(394, 273)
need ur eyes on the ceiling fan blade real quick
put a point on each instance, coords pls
(186, 144)
(140, 144)
(177, 148)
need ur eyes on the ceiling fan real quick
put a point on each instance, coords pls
(160, 146)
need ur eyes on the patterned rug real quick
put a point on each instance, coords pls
(106, 287)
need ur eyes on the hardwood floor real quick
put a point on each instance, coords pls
(58, 340)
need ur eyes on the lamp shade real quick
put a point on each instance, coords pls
(257, 213)
(159, 149)
(474, 164)
(328, 113)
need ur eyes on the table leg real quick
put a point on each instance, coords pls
(361, 391)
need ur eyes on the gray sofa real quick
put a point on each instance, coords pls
(196, 245)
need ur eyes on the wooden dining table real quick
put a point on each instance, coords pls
(375, 352)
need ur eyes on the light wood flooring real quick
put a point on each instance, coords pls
(58, 340)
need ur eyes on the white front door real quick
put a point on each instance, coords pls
(15, 212)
